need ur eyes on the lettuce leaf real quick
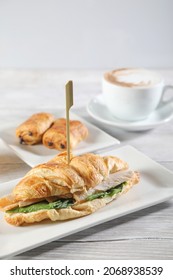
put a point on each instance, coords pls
(111, 192)
(44, 205)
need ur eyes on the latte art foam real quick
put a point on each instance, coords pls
(129, 77)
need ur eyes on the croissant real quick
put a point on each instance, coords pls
(31, 131)
(58, 191)
(55, 137)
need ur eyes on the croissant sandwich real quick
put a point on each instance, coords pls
(58, 191)
(55, 137)
(31, 131)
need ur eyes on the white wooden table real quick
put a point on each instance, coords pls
(147, 234)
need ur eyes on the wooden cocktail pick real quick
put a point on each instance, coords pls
(69, 104)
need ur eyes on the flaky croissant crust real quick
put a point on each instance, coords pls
(57, 178)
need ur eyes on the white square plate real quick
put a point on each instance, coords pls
(155, 186)
(37, 154)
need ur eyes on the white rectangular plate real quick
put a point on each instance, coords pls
(155, 186)
(37, 154)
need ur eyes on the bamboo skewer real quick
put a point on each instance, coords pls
(69, 104)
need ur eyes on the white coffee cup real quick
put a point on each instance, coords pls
(132, 94)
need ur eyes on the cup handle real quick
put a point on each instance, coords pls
(165, 88)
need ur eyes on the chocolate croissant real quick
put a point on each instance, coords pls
(58, 191)
(31, 131)
(55, 137)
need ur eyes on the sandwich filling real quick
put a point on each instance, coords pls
(109, 187)
(65, 203)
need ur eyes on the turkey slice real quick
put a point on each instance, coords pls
(113, 180)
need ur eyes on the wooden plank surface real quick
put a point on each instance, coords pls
(141, 235)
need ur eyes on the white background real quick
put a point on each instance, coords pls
(83, 34)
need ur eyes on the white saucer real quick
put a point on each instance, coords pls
(98, 110)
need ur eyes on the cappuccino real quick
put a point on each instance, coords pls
(132, 94)
(133, 77)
